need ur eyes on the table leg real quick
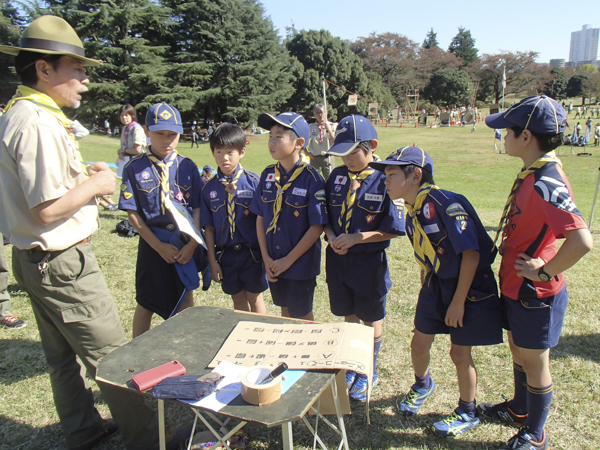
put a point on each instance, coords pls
(288, 438)
(338, 412)
(161, 424)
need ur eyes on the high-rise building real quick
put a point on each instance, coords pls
(557, 63)
(584, 44)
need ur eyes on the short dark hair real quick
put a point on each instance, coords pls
(365, 146)
(25, 65)
(228, 135)
(546, 142)
(128, 109)
(427, 175)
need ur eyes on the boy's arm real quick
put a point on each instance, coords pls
(345, 241)
(310, 237)
(577, 243)
(186, 253)
(264, 249)
(166, 251)
(468, 268)
(215, 268)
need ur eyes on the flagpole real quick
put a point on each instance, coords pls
(325, 104)
(503, 84)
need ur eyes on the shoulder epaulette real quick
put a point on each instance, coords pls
(439, 196)
(314, 172)
(251, 174)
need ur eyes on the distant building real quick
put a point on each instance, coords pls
(557, 63)
(584, 44)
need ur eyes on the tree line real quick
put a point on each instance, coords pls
(224, 59)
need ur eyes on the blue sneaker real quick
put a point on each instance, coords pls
(524, 441)
(350, 377)
(409, 404)
(455, 424)
(358, 392)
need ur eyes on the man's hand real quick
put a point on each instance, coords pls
(104, 178)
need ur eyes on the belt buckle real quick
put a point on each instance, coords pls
(237, 246)
(170, 227)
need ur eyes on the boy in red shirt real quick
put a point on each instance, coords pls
(539, 210)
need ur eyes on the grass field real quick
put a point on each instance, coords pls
(465, 162)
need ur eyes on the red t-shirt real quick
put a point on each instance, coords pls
(543, 211)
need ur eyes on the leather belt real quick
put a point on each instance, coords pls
(83, 241)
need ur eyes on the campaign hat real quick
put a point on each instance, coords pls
(350, 132)
(406, 156)
(538, 113)
(290, 120)
(162, 116)
(51, 35)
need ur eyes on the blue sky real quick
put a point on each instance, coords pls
(513, 25)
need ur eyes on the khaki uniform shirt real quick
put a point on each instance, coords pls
(315, 147)
(38, 163)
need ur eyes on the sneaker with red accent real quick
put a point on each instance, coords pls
(524, 441)
(11, 321)
(502, 413)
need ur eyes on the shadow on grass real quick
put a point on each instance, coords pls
(586, 346)
(19, 436)
(20, 358)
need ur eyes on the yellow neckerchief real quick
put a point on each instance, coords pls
(549, 157)
(43, 100)
(226, 181)
(304, 158)
(348, 205)
(425, 254)
(164, 166)
(280, 190)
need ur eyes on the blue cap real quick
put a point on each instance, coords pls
(208, 168)
(538, 113)
(350, 131)
(290, 120)
(406, 156)
(162, 116)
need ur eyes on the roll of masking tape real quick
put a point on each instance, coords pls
(260, 394)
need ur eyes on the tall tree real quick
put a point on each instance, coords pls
(575, 86)
(430, 40)
(591, 86)
(522, 72)
(431, 60)
(318, 52)
(556, 86)
(249, 70)
(463, 46)
(448, 87)
(10, 20)
(393, 57)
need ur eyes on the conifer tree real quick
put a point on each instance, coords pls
(430, 40)
(463, 46)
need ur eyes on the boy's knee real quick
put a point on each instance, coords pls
(421, 343)
(460, 355)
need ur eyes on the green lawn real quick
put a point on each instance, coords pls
(465, 162)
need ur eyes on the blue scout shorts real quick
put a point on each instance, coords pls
(295, 295)
(536, 323)
(482, 320)
(358, 284)
(242, 269)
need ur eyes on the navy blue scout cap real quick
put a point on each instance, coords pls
(290, 120)
(350, 131)
(162, 116)
(538, 113)
(406, 156)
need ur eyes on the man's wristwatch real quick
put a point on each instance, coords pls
(543, 275)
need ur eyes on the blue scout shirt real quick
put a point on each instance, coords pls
(303, 206)
(140, 188)
(453, 226)
(214, 210)
(373, 208)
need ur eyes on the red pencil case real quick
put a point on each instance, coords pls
(152, 377)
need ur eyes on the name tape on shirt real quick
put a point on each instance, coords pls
(433, 228)
(299, 191)
(374, 197)
(245, 194)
